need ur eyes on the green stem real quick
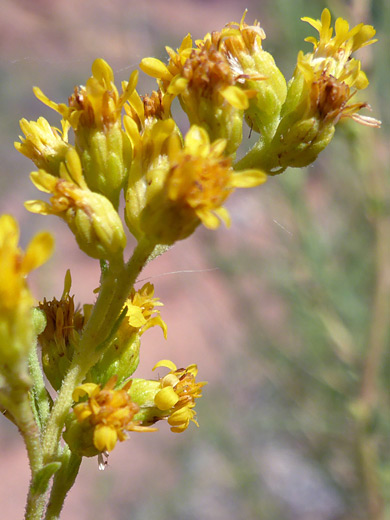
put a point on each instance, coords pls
(20, 408)
(17, 403)
(40, 396)
(63, 481)
(115, 288)
(117, 282)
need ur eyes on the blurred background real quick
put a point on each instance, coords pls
(286, 314)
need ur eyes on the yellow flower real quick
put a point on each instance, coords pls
(344, 42)
(141, 313)
(16, 329)
(318, 96)
(206, 86)
(95, 114)
(59, 339)
(181, 185)
(45, 145)
(201, 178)
(169, 76)
(90, 216)
(98, 104)
(107, 412)
(147, 110)
(330, 73)
(177, 395)
(256, 72)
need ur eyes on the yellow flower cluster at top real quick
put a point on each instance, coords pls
(172, 183)
(130, 146)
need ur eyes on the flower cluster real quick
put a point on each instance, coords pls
(115, 145)
(105, 416)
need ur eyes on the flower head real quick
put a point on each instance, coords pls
(121, 358)
(45, 145)
(94, 112)
(331, 76)
(141, 312)
(99, 103)
(344, 42)
(201, 178)
(206, 86)
(107, 413)
(177, 395)
(256, 73)
(90, 216)
(184, 186)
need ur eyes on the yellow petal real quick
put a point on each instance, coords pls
(224, 215)
(102, 71)
(135, 316)
(156, 321)
(166, 398)
(9, 229)
(38, 206)
(74, 167)
(192, 369)
(197, 141)
(165, 363)
(133, 132)
(177, 85)
(248, 179)
(155, 68)
(208, 218)
(186, 43)
(182, 415)
(235, 97)
(38, 251)
(82, 390)
(104, 438)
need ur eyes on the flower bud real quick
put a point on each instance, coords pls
(60, 338)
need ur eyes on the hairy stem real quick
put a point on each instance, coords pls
(63, 481)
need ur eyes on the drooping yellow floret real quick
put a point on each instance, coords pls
(179, 390)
